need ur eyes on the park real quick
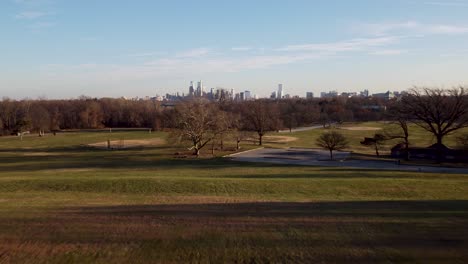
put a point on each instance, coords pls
(69, 199)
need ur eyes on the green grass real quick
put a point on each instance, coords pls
(418, 137)
(63, 202)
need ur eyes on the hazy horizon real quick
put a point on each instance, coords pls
(64, 49)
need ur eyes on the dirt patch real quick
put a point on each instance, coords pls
(132, 143)
(279, 139)
(356, 128)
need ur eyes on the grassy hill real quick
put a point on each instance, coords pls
(62, 201)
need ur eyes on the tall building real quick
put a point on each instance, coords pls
(364, 93)
(279, 95)
(309, 95)
(247, 95)
(273, 95)
(191, 89)
(200, 89)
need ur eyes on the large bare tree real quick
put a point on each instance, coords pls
(438, 111)
(261, 116)
(200, 122)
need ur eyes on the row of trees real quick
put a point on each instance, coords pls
(438, 111)
(88, 113)
(83, 113)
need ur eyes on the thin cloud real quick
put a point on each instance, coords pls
(41, 25)
(349, 45)
(146, 54)
(445, 29)
(241, 48)
(194, 53)
(388, 52)
(381, 29)
(448, 4)
(30, 15)
(413, 28)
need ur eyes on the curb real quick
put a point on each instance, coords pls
(242, 152)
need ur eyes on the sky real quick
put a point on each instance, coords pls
(112, 48)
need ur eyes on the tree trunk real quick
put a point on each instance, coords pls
(196, 152)
(238, 142)
(331, 154)
(377, 150)
(439, 149)
(260, 139)
(406, 148)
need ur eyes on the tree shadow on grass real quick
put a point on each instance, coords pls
(368, 231)
(391, 209)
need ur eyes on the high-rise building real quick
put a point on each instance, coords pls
(364, 93)
(247, 95)
(200, 89)
(279, 95)
(191, 89)
(273, 95)
(309, 95)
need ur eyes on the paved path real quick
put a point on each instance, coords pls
(299, 129)
(316, 157)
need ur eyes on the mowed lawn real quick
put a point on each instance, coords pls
(64, 202)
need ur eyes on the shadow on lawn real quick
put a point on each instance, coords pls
(372, 231)
(135, 158)
(358, 209)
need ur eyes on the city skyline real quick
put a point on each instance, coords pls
(58, 49)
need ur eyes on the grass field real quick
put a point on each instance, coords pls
(64, 202)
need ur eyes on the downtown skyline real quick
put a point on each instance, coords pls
(60, 49)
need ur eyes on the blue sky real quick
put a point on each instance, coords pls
(63, 49)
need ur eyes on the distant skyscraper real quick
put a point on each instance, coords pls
(279, 95)
(191, 89)
(247, 95)
(364, 93)
(309, 95)
(273, 95)
(200, 88)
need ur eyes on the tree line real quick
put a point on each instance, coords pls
(438, 111)
(44, 115)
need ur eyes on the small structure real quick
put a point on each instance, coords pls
(430, 153)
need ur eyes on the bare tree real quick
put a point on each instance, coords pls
(332, 141)
(200, 122)
(438, 111)
(462, 141)
(261, 117)
(375, 142)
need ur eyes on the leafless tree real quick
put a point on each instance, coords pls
(375, 142)
(200, 122)
(398, 126)
(40, 119)
(332, 141)
(438, 111)
(462, 141)
(261, 116)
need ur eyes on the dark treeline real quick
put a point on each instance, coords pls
(89, 113)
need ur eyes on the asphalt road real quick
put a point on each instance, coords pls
(300, 129)
(317, 157)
